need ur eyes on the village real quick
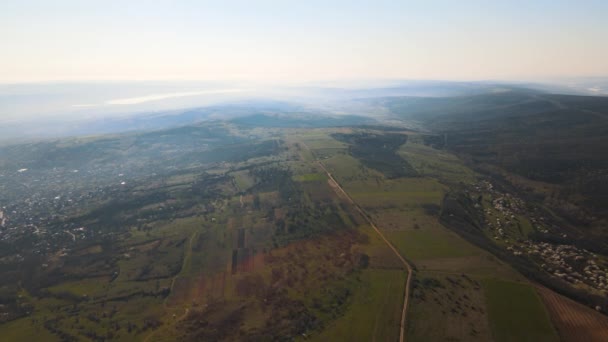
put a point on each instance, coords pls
(31, 216)
(506, 214)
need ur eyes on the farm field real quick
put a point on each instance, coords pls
(22, 330)
(430, 243)
(448, 306)
(516, 312)
(271, 245)
(295, 171)
(379, 284)
(452, 274)
(375, 310)
(574, 322)
(435, 163)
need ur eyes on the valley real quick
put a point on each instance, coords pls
(226, 231)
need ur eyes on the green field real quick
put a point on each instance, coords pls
(310, 177)
(24, 330)
(243, 180)
(318, 139)
(82, 287)
(403, 192)
(430, 242)
(406, 210)
(516, 312)
(374, 312)
(435, 163)
(345, 168)
(447, 307)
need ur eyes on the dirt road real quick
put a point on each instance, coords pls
(407, 266)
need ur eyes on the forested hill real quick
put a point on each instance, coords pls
(558, 140)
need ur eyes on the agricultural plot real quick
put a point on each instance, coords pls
(448, 307)
(451, 273)
(23, 330)
(243, 180)
(374, 311)
(378, 152)
(88, 286)
(310, 177)
(516, 312)
(344, 261)
(345, 168)
(399, 193)
(285, 283)
(320, 139)
(574, 322)
(430, 242)
(263, 248)
(435, 163)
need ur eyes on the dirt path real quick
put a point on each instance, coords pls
(184, 263)
(71, 234)
(367, 218)
(186, 310)
(407, 266)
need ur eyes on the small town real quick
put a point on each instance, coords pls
(565, 262)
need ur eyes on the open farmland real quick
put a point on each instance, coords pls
(573, 321)
(452, 272)
(270, 242)
(294, 171)
(516, 312)
(448, 306)
(374, 313)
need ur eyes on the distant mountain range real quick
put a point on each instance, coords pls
(78, 109)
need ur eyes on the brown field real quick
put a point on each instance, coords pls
(448, 307)
(574, 321)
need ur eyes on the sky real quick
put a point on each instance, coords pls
(301, 41)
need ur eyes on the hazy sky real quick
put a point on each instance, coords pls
(301, 40)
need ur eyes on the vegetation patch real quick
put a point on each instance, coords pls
(311, 177)
(447, 307)
(430, 242)
(378, 151)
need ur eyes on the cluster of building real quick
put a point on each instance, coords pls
(34, 204)
(571, 264)
(566, 262)
(506, 207)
